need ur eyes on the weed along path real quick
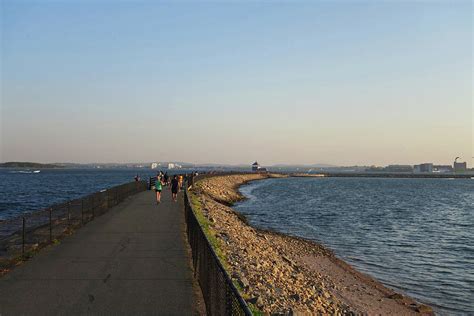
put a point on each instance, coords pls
(131, 260)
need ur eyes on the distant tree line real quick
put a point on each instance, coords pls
(32, 165)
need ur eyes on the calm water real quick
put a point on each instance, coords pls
(23, 191)
(414, 235)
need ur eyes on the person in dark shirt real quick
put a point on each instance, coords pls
(174, 188)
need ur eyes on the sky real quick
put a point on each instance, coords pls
(336, 82)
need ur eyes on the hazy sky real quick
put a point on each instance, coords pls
(343, 82)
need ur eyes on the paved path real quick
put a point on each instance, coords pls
(131, 260)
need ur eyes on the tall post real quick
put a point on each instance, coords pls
(50, 224)
(93, 213)
(23, 238)
(228, 300)
(68, 213)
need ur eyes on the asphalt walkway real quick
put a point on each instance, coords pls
(132, 260)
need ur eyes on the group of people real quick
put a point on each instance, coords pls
(163, 180)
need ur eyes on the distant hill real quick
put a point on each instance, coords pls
(29, 165)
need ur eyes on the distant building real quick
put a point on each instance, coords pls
(398, 168)
(424, 167)
(374, 169)
(154, 165)
(460, 166)
(257, 168)
(442, 168)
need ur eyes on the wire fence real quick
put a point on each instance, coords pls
(21, 236)
(220, 295)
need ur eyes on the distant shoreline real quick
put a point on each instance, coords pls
(384, 175)
(29, 165)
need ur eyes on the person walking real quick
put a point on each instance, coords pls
(174, 188)
(158, 189)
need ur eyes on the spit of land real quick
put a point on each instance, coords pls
(280, 274)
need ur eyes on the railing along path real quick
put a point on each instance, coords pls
(21, 235)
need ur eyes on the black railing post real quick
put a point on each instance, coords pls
(23, 237)
(50, 224)
(69, 213)
(93, 212)
(228, 301)
(107, 200)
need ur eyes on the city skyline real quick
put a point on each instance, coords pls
(185, 164)
(339, 83)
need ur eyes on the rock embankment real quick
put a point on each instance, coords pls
(284, 275)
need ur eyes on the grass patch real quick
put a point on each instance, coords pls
(255, 311)
(252, 307)
(208, 231)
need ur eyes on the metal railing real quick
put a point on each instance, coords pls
(220, 295)
(22, 235)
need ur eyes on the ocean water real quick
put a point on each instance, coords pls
(23, 191)
(414, 235)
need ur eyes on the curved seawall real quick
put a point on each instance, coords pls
(411, 234)
(281, 274)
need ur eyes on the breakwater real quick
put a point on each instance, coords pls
(283, 274)
(411, 234)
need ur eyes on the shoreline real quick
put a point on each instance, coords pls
(280, 273)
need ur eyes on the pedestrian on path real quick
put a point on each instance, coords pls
(158, 188)
(174, 188)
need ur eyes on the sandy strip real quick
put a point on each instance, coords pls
(285, 275)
